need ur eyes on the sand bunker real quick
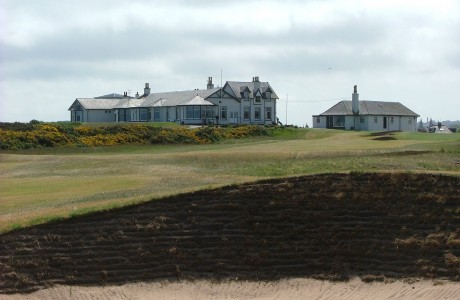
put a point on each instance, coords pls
(284, 289)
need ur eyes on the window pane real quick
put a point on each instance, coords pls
(246, 112)
(144, 114)
(189, 112)
(121, 115)
(257, 113)
(210, 112)
(223, 112)
(196, 112)
(339, 121)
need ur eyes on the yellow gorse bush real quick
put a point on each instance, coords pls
(25, 136)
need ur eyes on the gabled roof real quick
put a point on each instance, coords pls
(94, 103)
(129, 102)
(197, 100)
(439, 129)
(238, 87)
(370, 108)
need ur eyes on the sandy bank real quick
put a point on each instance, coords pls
(284, 289)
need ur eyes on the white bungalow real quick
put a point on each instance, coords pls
(367, 115)
(93, 109)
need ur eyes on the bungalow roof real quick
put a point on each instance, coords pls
(93, 103)
(367, 107)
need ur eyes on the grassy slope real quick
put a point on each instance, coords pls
(41, 185)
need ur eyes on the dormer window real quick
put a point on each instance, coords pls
(268, 95)
(257, 99)
(246, 95)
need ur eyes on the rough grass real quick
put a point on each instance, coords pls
(380, 227)
(43, 184)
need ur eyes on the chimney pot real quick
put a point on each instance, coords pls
(210, 84)
(146, 89)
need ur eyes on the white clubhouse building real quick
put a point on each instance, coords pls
(236, 102)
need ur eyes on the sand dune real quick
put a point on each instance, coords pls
(284, 289)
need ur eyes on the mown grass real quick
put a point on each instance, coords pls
(40, 185)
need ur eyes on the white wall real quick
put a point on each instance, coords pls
(102, 115)
(322, 122)
(399, 123)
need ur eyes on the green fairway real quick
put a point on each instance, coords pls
(40, 185)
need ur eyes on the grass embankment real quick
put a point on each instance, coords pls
(38, 185)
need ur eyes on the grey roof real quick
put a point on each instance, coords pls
(238, 87)
(442, 129)
(94, 103)
(175, 98)
(370, 108)
(197, 100)
(110, 96)
(129, 102)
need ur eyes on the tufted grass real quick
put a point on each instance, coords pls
(42, 185)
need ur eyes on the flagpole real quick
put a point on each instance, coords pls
(287, 100)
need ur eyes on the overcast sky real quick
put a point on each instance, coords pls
(311, 52)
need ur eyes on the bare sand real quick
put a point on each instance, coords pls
(285, 289)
